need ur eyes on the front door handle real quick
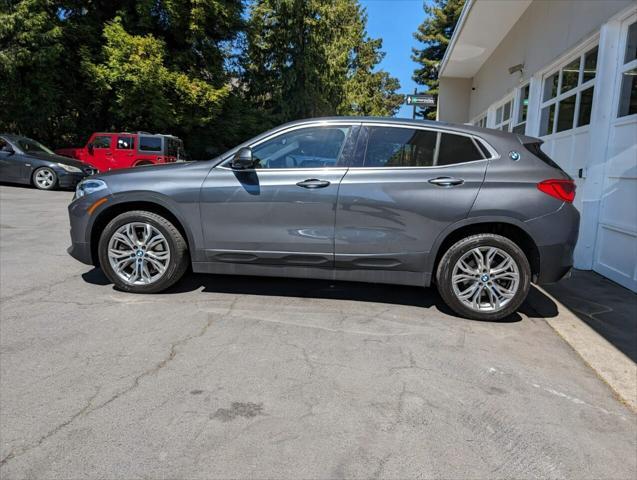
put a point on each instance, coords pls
(313, 183)
(446, 181)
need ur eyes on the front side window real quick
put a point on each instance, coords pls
(4, 146)
(628, 85)
(568, 94)
(312, 147)
(410, 147)
(102, 141)
(124, 143)
(150, 144)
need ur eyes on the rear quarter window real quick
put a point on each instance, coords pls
(150, 144)
(457, 149)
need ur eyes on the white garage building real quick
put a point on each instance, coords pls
(565, 71)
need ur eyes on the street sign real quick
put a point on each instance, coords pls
(423, 100)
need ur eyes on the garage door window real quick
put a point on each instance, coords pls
(567, 98)
(628, 87)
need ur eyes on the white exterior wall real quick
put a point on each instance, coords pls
(544, 32)
(454, 97)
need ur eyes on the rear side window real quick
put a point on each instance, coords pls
(124, 143)
(411, 147)
(400, 147)
(150, 144)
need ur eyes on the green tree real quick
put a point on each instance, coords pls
(308, 58)
(434, 33)
(68, 67)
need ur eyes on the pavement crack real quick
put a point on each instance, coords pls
(89, 408)
(16, 453)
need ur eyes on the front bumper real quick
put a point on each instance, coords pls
(81, 252)
(68, 179)
(81, 222)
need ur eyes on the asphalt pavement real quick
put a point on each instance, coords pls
(240, 377)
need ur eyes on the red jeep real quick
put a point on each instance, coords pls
(109, 151)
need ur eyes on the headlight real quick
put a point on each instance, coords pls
(69, 168)
(86, 187)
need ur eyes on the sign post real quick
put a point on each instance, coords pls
(422, 100)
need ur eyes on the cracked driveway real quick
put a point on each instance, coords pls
(272, 378)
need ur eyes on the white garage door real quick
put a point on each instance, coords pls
(616, 245)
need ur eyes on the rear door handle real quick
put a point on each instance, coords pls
(313, 183)
(446, 181)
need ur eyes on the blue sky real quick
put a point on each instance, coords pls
(395, 21)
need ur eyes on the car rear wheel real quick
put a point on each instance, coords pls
(484, 277)
(142, 252)
(45, 178)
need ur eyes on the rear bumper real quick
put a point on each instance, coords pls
(556, 236)
(556, 262)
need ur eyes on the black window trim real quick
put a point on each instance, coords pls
(487, 146)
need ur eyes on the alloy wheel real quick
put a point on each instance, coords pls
(485, 279)
(44, 178)
(138, 253)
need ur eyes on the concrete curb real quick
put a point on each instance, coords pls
(615, 368)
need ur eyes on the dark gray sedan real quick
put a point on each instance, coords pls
(480, 213)
(23, 160)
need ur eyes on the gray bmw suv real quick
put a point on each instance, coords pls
(480, 213)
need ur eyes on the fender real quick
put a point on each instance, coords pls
(193, 238)
(433, 253)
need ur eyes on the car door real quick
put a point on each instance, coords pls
(405, 186)
(282, 211)
(101, 152)
(12, 163)
(124, 151)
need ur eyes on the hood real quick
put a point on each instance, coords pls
(148, 170)
(58, 159)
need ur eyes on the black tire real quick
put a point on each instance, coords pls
(179, 259)
(49, 173)
(456, 251)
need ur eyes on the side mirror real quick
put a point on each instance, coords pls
(242, 160)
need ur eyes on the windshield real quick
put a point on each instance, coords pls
(27, 145)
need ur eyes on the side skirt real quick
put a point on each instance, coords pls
(364, 275)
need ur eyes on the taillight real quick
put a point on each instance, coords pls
(561, 189)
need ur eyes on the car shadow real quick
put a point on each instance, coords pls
(425, 298)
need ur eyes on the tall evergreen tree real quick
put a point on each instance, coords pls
(307, 58)
(434, 33)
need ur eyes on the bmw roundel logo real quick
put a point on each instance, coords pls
(513, 155)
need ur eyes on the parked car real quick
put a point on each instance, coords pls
(23, 160)
(481, 213)
(110, 151)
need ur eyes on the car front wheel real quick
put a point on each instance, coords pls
(45, 178)
(142, 252)
(484, 277)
